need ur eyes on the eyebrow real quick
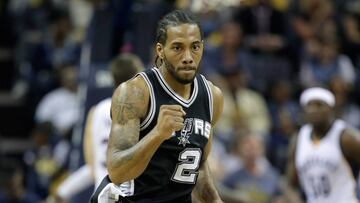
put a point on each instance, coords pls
(180, 43)
(176, 43)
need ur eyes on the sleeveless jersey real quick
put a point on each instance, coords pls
(100, 131)
(323, 171)
(172, 172)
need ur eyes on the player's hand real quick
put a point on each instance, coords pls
(170, 120)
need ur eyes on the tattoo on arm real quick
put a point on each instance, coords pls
(124, 138)
(127, 104)
(127, 107)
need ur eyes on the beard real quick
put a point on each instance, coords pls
(172, 70)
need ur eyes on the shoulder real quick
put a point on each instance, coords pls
(350, 144)
(132, 87)
(131, 96)
(349, 136)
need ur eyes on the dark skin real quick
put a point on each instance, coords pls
(127, 156)
(321, 116)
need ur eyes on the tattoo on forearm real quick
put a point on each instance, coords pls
(123, 138)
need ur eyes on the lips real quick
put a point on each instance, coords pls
(187, 68)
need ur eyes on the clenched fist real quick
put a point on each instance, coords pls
(170, 120)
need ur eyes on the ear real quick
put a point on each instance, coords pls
(160, 50)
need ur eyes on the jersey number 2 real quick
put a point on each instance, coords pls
(186, 171)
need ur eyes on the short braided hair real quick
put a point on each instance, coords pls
(174, 18)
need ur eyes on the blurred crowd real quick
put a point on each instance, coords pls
(262, 53)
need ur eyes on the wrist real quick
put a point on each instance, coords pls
(160, 134)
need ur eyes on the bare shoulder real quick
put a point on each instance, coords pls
(217, 101)
(350, 144)
(353, 132)
(350, 136)
(130, 100)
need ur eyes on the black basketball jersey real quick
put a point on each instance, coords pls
(172, 172)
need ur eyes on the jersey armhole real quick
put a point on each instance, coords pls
(210, 96)
(151, 113)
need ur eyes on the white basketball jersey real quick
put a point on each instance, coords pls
(101, 126)
(323, 171)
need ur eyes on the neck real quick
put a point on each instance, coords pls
(183, 90)
(320, 130)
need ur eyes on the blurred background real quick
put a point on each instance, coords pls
(54, 57)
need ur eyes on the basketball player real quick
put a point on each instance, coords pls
(162, 124)
(97, 130)
(323, 152)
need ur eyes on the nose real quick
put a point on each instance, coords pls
(187, 59)
(311, 108)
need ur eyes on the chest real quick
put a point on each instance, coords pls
(324, 156)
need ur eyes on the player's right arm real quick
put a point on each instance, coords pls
(127, 157)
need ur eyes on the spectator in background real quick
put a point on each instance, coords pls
(265, 35)
(61, 45)
(264, 27)
(345, 108)
(314, 18)
(61, 106)
(284, 114)
(229, 55)
(323, 62)
(54, 46)
(256, 180)
(12, 184)
(244, 109)
(42, 52)
(351, 36)
(40, 163)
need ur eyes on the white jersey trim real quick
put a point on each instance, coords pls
(170, 91)
(152, 109)
(210, 96)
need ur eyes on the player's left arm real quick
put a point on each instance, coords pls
(350, 144)
(205, 190)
